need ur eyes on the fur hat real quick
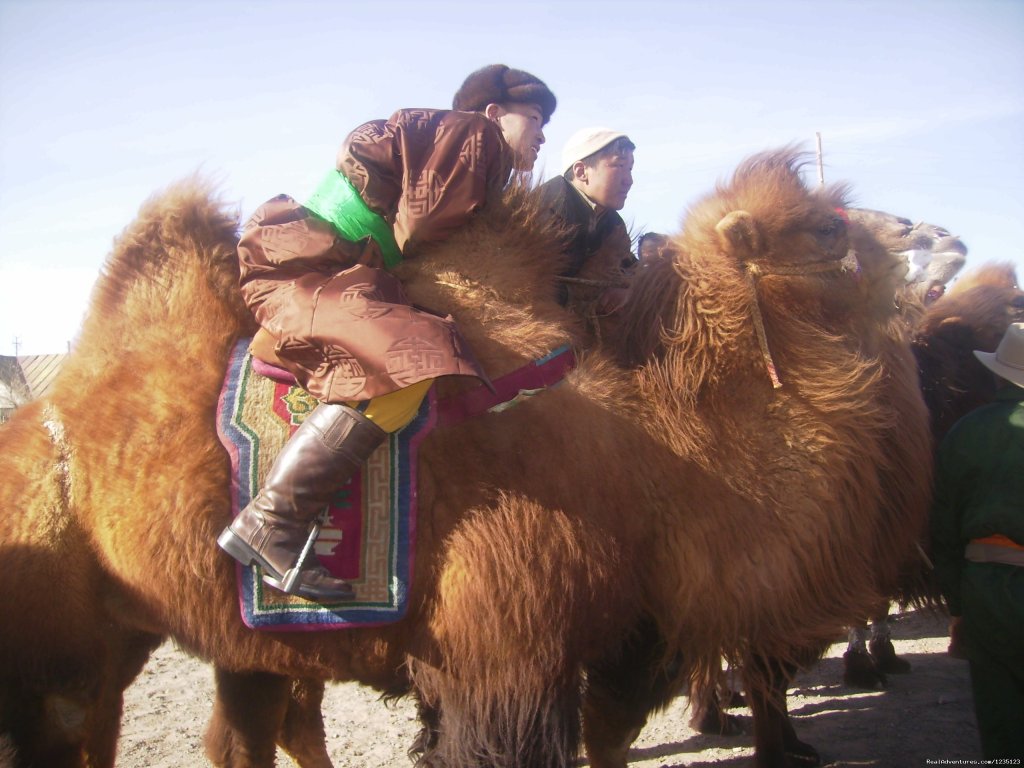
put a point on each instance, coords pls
(498, 84)
(1008, 359)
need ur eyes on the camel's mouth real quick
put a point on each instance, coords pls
(931, 265)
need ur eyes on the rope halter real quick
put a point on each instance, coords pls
(754, 271)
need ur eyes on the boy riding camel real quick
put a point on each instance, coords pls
(315, 276)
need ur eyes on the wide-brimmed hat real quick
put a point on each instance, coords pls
(499, 84)
(1008, 359)
(586, 142)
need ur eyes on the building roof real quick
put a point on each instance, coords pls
(13, 387)
(25, 378)
(40, 371)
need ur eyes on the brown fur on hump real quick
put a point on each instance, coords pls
(137, 400)
(973, 314)
(497, 278)
(182, 233)
(784, 507)
(997, 274)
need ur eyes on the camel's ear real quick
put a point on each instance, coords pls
(956, 331)
(737, 234)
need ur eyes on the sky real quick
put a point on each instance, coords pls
(919, 105)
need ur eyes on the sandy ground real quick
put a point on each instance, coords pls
(923, 718)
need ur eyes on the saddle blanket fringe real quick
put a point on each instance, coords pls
(371, 525)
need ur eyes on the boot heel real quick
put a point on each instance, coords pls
(236, 547)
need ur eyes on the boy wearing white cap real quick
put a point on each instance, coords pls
(597, 174)
(978, 546)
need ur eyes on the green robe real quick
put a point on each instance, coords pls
(979, 493)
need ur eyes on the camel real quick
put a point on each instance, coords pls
(706, 487)
(974, 314)
(902, 265)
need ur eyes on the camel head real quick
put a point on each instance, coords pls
(788, 240)
(931, 255)
(767, 218)
(763, 226)
(973, 314)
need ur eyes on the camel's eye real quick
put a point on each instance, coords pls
(832, 226)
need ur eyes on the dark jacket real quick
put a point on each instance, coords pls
(588, 233)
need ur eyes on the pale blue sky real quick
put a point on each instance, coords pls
(919, 104)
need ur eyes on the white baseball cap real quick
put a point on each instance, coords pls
(1008, 359)
(586, 142)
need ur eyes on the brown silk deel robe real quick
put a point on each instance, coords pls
(343, 325)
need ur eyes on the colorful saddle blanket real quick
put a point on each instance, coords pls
(368, 539)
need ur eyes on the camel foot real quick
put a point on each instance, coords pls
(957, 647)
(860, 671)
(886, 659)
(802, 755)
(734, 700)
(714, 722)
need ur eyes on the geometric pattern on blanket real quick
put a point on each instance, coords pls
(368, 537)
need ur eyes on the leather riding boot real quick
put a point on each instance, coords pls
(278, 528)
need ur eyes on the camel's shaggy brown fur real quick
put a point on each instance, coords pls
(817, 443)
(974, 314)
(680, 492)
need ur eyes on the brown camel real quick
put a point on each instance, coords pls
(974, 314)
(668, 499)
(906, 265)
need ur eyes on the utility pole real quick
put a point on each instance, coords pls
(821, 166)
(17, 345)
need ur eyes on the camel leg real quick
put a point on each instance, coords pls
(248, 715)
(426, 740)
(512, 594)
(881, 648)
(775, 741)
(302, 735)
(859, 668)
(104, 724)
(40, 728)
(77, 720)
(707, 713)
(621, 692)
(477, 726)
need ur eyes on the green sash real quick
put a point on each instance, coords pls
(338, 202)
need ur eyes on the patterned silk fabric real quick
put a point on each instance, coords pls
(344, 327)
(426, 171)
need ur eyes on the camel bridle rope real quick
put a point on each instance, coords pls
(754, 272)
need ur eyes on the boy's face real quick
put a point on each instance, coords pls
(608, 181)
(522, 125)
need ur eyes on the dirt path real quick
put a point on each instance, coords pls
(921, 717)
